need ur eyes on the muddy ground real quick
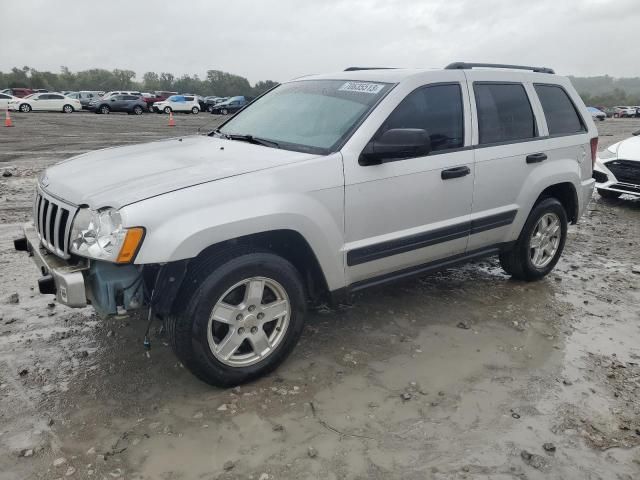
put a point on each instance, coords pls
(462, 374)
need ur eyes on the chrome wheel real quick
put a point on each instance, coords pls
(545, 240)
(248, 322)
(104, 109)
(195, 110)
(24, 108)
(67, 109)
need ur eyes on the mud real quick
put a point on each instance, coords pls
(462, 374)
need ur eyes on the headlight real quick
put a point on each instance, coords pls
(607, 154)
(101, 236)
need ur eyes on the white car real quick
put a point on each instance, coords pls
(5, 98)
(324, 186)
(178, 103)
(624, 112)
(46, 102)
(617, 169)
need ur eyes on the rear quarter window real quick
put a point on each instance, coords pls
(504, 112)
(561, 114)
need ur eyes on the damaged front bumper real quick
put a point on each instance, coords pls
(79, 282)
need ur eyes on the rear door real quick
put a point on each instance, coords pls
(407, 213)
(506, 132)
(56, 102)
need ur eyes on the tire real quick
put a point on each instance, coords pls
(104, 109)
(137, 110)
(517, 260)
(195, 110)
(224, 111)
(167, 110)
(608, 194)
(67, 109)
(210, 109)
(193, 335)
(24, 108)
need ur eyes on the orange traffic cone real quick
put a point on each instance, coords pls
(172, 122)
(7, 119)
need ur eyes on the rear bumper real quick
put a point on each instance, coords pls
(59, 277)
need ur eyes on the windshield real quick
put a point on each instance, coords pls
(308, 115)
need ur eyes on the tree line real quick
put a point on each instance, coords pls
(602, 90)
(217, 82)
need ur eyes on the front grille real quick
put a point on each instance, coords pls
(627, 188)
(625, 171)
(52, 219)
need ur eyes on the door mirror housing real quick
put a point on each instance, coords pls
(396, 144)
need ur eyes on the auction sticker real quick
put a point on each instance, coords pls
(361, 87)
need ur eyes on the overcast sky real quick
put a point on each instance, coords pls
(281, 39)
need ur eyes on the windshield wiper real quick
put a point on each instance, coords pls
(251, 139)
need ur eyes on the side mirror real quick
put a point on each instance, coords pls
(395, 144)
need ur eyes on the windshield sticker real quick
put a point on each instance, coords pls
(361, 87)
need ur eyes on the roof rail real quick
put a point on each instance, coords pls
(467, 66)
(356, 69)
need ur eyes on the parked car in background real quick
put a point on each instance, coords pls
(637, 107)
(624, 112)
(46, 102)
(131, 104)
(85, 97)
(232, 105)
(212, 101)
(152, 98)
(597, 114)
(122, 92)
(617, 169)
(178, 103)
(18, 92)
(5, 98)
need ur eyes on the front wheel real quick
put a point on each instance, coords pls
(224, 111)
(167, 110)
(608, 194)
(243, 315)
(540, 243)
(104, 109)
(25, 108)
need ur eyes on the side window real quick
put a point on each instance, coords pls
(504, 112)
(560, 112)
(436, 109)
(188, 99)
(4, 97)
(56, 97)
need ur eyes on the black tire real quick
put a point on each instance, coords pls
(24, 108)
(224, 111)
(167, 110)
(137, 110)
(195, 110)
(187, 328)
(608, 194)
(67, 109)
(210, 109)
(104, 109)
(516, 260)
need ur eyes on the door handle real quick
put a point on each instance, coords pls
(455, 172)
(536, 157)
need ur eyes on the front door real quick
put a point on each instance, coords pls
(410, 212)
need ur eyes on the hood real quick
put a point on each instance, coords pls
(115, 177)
(629, 149)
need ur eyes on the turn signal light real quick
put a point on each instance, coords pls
(131, 244)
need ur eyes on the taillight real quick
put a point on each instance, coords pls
(594, 150)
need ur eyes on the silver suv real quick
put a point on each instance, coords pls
(325, 185)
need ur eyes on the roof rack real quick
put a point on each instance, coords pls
(467, 66)
(356, 69)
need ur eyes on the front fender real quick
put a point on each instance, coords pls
(183, 223)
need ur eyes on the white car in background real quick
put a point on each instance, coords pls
(617, 169)
(5, 98)
(46, 102)
(178, 103)
(624, 112)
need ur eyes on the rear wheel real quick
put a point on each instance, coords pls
(224, 111)
(67, 109)
(25, 108)
(608, 194)
(244, 314)
(104, 109)
(540, 243)
(137, 110)
(195, 110)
